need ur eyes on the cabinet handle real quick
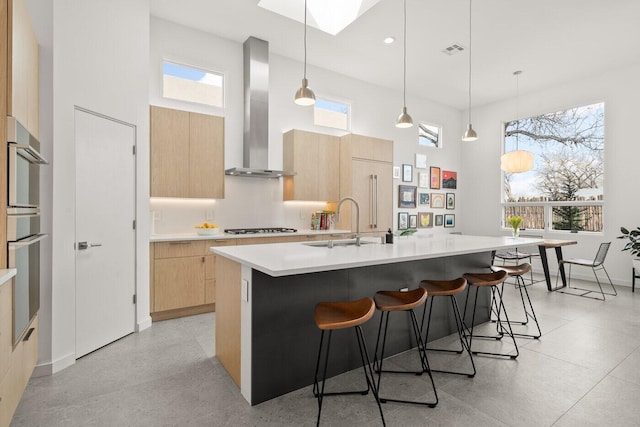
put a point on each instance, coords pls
(371, 201)
(179, 243)
(28, 334)
(222, 241)
(203, 259)
(375, 210)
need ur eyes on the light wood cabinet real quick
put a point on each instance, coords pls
(183, 273)
(366, 174)
(23, 68)
(183, 277)
(20, 367)
(179, 282)
(6, 327)
(187, 154)
(206, 156)
(316, 160)
(372, 185)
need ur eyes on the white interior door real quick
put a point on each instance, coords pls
(105, 235)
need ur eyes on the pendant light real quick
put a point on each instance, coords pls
(518, 160)
(304, 95)
(404, 119)
(469, 134)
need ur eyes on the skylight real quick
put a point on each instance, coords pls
(330, 16)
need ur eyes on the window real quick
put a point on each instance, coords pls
(429, 135)
(332, 114)
(191, 84)
(565, 188)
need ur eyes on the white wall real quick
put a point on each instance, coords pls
(252, 202)
(100, 62)
(619, 90)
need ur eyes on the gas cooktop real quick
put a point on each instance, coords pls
(259, 230)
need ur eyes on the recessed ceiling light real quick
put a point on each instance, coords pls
(389, 40)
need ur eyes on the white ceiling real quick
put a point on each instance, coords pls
(552, 41)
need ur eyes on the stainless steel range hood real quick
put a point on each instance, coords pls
(256, 113)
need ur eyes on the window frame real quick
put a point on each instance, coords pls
(346, 103)
(549, 205)
(187, 64)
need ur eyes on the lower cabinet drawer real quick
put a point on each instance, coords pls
(183, 248)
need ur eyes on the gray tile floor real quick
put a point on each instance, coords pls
(584, 371)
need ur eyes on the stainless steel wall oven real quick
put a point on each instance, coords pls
(23, 223)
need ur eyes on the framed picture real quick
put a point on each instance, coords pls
(437, 200)
(439, 220)
(449, 220)
(435, 177)
(449, 180)
(423, 180)
(451, 201)
(413, 221)
(403, 220)
(424, 199)
(396, 172)
(407, 196)
(421, 161)
(407, 173)
(425, 219)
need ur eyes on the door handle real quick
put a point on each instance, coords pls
(84, 245)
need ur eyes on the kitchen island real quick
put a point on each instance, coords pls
(266, 337)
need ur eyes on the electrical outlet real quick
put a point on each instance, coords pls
(302, 215)
(245, 290)
(208, 214)
(157, 215)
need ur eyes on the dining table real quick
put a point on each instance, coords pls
(557, 245)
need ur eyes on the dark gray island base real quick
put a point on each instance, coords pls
(284, 338)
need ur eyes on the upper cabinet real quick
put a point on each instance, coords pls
(187, 154)
(23, 68)
(366, 174)
(315, 158)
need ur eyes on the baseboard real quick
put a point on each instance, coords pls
(143, 324)
(181, 312)
(49, 368)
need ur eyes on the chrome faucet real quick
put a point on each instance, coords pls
(357, 216)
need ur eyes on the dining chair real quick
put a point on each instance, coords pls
(596, 265)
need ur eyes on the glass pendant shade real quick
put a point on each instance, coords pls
(304, 95)
(516, 161)
(404, 119)
(469, 134)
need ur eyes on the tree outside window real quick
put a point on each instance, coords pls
(565, 188)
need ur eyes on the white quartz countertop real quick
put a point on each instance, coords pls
(6, 274)
(283, 259)
(221, 235)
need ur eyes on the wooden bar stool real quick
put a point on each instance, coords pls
(330, 316)
(495, 281)
(448, 288)
(517, 271)
(386, 302)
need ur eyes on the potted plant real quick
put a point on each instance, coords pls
(515, 222)
(633, 245)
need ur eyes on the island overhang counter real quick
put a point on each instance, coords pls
(265, 295)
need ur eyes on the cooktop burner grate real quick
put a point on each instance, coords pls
(259, 230)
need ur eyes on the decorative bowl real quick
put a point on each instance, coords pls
(207, 231)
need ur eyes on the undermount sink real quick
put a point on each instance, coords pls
(334, 243)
